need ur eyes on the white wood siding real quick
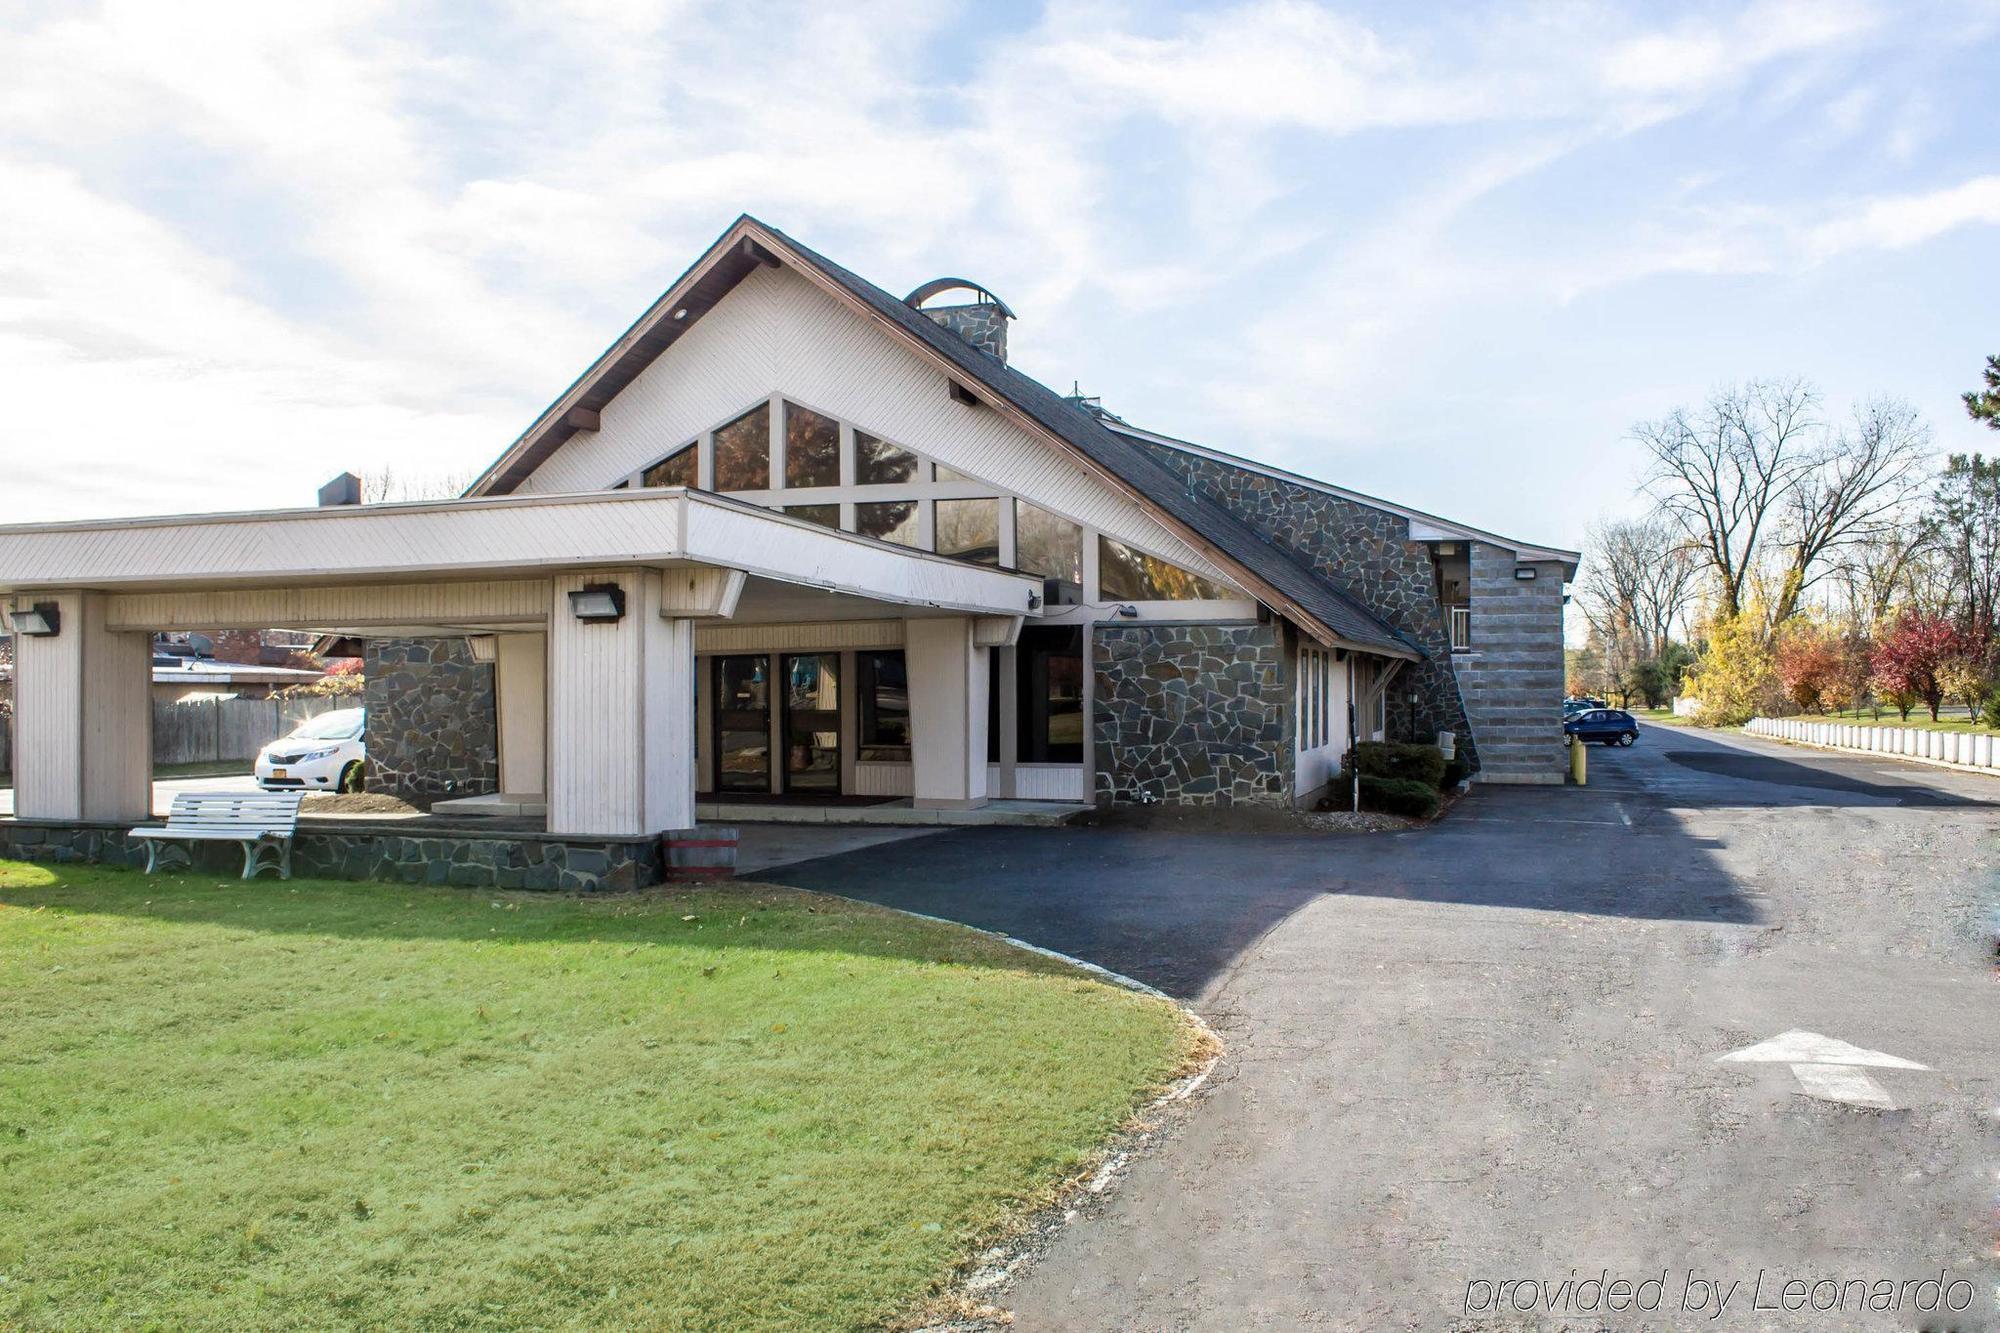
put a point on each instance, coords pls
(521, 705)
(48, 712)
(776, 332)
(522, 601)
(83, 718)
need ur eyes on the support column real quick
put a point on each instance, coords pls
(83, 716)
(621, 712)
(521, 700)
(948, 683)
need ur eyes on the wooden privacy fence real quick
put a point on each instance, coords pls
(213, 731)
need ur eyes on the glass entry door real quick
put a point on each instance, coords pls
(812, 722)
(743, 724)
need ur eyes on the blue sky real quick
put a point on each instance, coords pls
(1443, 254)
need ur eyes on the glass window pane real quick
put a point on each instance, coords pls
(676, 469)
(1051, 546)
(950, 474)
(827, 516)
(970, 530)
(743, 452)
(891, 521)
(879, 463)
(884, 732)
(812, 448)
(1135, 576)
(1049, 698)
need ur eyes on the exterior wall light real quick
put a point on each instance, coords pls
(598, 602)
(43, 620)
(1524, 572)
(1129, 611)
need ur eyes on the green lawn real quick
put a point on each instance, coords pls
(317, 1103)
(1949, 719)
(1663, 717)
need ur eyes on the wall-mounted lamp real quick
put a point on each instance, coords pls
(598, 602)
(1034, 601)
(1524, 572)
(483, 647)
(1127, 610)
(43, 620)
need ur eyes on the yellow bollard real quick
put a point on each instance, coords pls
(1579, 765)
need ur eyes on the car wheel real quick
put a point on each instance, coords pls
(350, 779)
(1626, 738)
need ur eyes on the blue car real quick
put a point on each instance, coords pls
(1606, 726)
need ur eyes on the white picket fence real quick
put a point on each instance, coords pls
(1963, 748)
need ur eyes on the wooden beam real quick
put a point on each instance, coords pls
(754, 251)
(583, 418)
(961, 394)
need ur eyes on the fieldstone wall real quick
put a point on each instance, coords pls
(344, 850)
(1514, 675)
(432, 724)
(1196, 714)
(1367, 552)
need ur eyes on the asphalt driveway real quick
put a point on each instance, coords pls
(1488, 1051)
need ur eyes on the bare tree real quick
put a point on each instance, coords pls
(1856, 488)
(1643, 575)
(1896, 563)
(387, 485)
(1724, 474)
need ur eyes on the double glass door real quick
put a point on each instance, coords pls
(808, 722)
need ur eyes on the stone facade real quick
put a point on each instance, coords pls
(1368, 553)
(1514, 675)
(982, 325)
(1197, 714)
(462, 858)
(432, 724)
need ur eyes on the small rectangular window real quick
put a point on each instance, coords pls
(812, 448)
(879, 463)
(969, 530)
(884, 695)
(676, 469)
(743, 452)
(1123, 573)
(827, 516)
(889, 521)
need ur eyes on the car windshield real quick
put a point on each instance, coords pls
(342, 725)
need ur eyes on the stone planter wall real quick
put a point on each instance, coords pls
(461, 858)
(1198, 714)
(1962, 749)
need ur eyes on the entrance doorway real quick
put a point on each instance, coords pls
(812, 723)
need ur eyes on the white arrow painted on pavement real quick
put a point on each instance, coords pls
(1825, 1068)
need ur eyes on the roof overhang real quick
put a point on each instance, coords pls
(512, 537)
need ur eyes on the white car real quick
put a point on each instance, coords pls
(326, 753)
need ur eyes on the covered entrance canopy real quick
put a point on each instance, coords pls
(592, 599)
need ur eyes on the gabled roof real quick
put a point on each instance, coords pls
(1319, 606)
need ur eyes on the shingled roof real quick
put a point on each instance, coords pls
(1322, 607)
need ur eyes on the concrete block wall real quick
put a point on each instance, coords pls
(1513, 677)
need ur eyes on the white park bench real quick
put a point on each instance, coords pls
(262, 822)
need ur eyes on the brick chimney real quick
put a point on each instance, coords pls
(981, 322)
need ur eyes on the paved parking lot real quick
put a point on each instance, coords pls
(1489, 1050)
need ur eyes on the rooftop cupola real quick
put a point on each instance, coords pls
(981, 321)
